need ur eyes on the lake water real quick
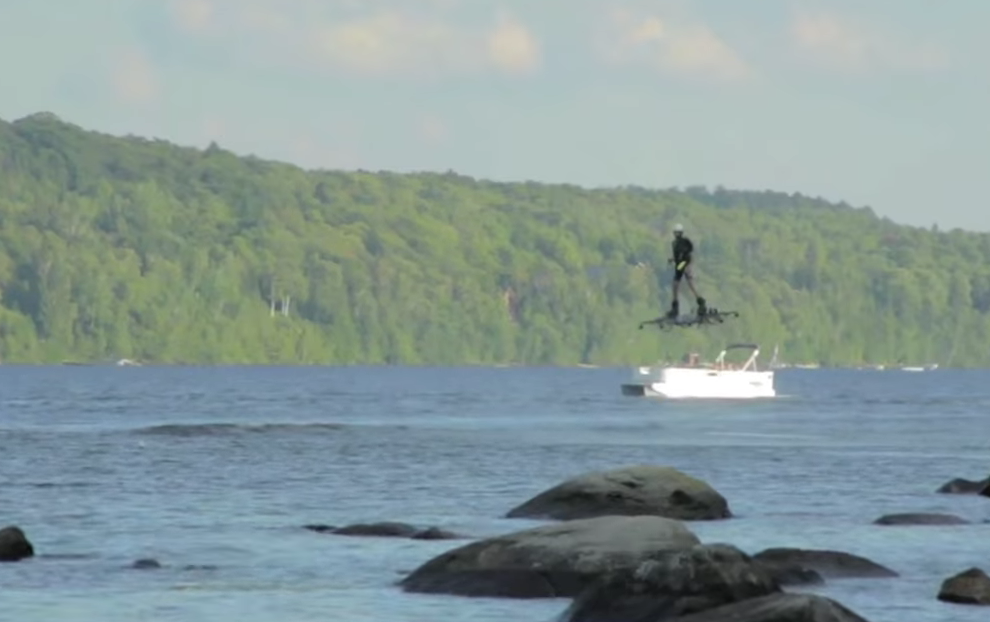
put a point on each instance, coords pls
(212, 471)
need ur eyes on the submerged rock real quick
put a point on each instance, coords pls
(781, 607)
(630, 491)
(673, 583)
(14, 545)
(960, 486)
(386, 529)
(435, 533)
(146, 563)
(793, 566)
(920, 518)
(970, 587)
(557, 560)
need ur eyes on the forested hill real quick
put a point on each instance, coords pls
(124, 247)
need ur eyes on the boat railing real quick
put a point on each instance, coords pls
(749, 365)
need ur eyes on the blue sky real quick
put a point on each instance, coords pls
(879, 103)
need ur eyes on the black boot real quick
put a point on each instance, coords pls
(674, 310)
(702, 308)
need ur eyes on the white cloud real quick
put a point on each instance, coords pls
(134, 79)
(363, 37)
(192, 15)
(839, 43)
(432, 130)
(512, 48)
(389, 42)
(672, 47)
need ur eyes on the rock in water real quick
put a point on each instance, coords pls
(920, 518)
(971, 587)
(146, 563)
(797, 566)
(780, 607)
(385, 529)
(556, 560)
(14, 545)
(960, 486)
(630, 491)
(671, 584)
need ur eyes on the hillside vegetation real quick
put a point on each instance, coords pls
(125, 247)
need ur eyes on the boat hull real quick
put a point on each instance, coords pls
(701, 383)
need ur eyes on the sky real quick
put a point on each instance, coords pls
(880, 103)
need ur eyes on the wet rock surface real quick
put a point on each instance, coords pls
(781, 607)
(920, 518)
(630, 491)
(673, 583)
(960, 486)
(14, 545)
(795, 566)
(553, 560)
(387, 529)
(970, 587)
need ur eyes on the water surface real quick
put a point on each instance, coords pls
(212, 471)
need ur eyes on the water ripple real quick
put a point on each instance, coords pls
(214, 471)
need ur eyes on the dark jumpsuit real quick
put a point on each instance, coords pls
(682, 249)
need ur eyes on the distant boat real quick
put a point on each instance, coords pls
(716, 381)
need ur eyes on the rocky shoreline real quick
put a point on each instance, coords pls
(619, 544)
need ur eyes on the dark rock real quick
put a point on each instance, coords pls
(673, 583)
(383, 529)
(387, 530)
(920, 518)
(960, 486)
(435, 533)
(630, 491)
(14, 545)
(970, 587)
(146, 564)
(791, 566)
(780, 607)
(500, 582)
(795, 575)
(556, 560)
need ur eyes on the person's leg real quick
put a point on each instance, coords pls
(674, 304)
(702, 308)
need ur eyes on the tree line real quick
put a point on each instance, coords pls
(123, 247)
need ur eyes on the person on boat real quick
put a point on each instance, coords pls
(682, 249)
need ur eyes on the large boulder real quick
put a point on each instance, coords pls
(671, 584)
(781, 607)
(920, 518)
(970, 587)
(629, 491)
(556, 560)
(794, 566)
(14, 545)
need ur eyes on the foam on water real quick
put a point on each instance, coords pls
(213, 472)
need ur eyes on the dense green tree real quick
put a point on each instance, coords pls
(124, 247)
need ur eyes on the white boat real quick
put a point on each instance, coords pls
(719, 380)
